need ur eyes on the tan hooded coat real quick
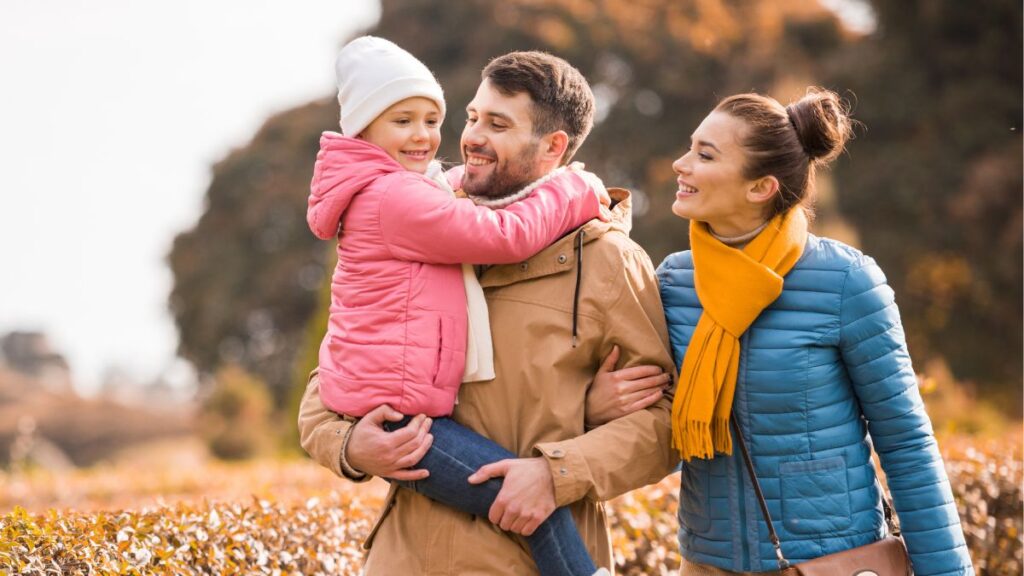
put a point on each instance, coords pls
(535, 405)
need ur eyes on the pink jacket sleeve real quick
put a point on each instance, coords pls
(440, 229)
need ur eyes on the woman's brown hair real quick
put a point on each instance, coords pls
(789, 142)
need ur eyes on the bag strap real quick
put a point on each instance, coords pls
(890, 515)
(891, 520)
(772, 534)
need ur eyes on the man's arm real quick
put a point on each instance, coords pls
(357, 451)
(634, 450)
(627, 453)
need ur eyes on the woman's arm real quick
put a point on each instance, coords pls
(875, 352)
(617, 393)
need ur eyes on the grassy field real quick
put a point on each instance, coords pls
(170, 510)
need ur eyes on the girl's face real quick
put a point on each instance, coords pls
(409, 131)
(712, 187)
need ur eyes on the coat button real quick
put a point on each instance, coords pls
(562, 258)
(563, 472)
(557, 453)
(524, 266)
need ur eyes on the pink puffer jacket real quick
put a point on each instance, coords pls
(397, 330)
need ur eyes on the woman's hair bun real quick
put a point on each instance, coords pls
(822, 122)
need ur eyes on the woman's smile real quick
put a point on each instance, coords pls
(685, 190)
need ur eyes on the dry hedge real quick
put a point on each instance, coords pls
(322, 535)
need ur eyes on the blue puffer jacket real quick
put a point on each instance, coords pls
(823, 365)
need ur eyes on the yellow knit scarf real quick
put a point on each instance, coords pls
(733, 286)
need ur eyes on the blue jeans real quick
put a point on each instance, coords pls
(457, 452)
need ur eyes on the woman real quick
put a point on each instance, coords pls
(799, 340)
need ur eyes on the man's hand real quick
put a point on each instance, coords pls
(527, 496)
(616, 393)
(374, 450)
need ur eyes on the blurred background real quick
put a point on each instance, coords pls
(161, 287)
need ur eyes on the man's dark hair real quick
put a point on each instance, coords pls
(562, 99)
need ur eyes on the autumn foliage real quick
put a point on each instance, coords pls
(270, 517)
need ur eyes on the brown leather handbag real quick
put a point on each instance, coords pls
(886, 557)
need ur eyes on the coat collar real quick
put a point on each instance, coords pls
(560, 256)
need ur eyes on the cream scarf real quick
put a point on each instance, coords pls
(479, 349)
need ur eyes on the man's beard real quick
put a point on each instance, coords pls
(508, 177)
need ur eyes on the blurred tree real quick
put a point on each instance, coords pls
(235, 416)
(656, 68)
(246, 276)
(306, 360)
(934, 185)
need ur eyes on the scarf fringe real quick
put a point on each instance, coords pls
(722, 437)
(701, 439)
(694, 441)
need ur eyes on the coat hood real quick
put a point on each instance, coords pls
(344, 167)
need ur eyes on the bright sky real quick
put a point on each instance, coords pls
(111, 114)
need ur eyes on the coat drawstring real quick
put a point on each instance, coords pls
(576, 294)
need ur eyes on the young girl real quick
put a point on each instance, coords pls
(408, 324)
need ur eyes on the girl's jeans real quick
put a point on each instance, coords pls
(458, 452)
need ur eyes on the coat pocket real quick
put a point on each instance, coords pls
(428, 355)
(695, 496)
(447, 372)
(815, 496)
(435, 375)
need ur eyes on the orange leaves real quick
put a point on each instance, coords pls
(644, 529)
(298, 525)
(987, 478)
(208, 538)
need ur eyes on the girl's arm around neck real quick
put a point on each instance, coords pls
(422, 223)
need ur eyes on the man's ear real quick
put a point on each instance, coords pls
(553, 146)
(763, 190)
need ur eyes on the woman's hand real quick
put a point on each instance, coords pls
(616, 393)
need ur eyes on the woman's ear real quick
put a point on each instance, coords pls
(763, 190)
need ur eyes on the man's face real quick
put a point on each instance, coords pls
(498, 145)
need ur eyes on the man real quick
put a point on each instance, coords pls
(553, 318)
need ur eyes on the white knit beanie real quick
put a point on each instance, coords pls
(374, 74)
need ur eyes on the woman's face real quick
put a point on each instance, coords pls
(712, 187)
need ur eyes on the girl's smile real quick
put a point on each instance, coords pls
(409, 131)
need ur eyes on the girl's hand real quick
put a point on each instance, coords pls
(616, 393)
(599, 189)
